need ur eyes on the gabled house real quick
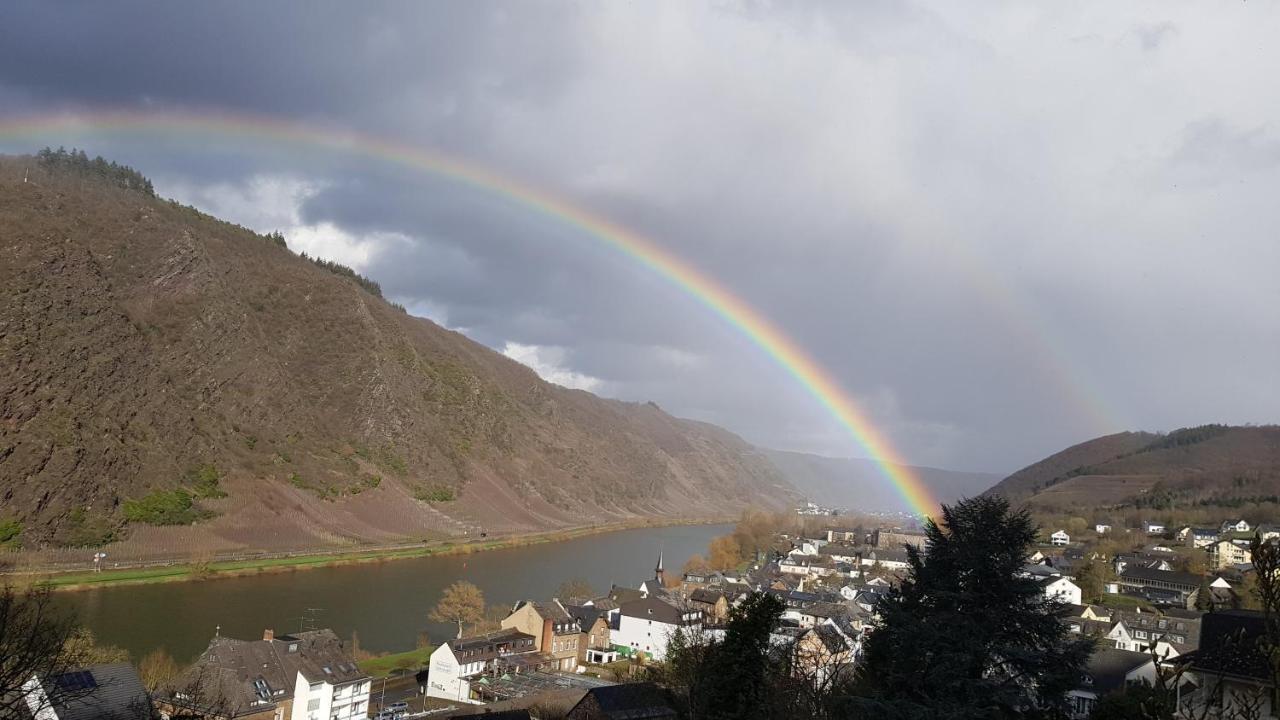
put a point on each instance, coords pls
(1236, 525)
(300, 676)
(1060, 538)
(713, 604)
(594, 644)
(97, 692)
(1231, 666)
(646, 625)
(1109, 670)
(1060, 588)
(555, 632)
(1201, 537)
(886, 558)
(822, 650)
(1170, 633)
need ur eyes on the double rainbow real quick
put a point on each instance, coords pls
(712, 295)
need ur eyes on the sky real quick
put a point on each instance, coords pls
(1002, 228)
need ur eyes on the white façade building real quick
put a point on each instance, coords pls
(1061, 588)
(1060, 538)
(455, 663)
(321, 693)
(646, 625)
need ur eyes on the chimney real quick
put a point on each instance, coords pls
(268, 635)
(547, 635)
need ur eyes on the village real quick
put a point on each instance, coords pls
(1164, 603)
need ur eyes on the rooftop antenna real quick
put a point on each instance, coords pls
(308, 619)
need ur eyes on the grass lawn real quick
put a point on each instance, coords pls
(382, 666)
(1125, 602)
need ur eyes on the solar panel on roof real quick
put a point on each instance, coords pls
(72, 681)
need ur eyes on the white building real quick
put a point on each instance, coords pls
(646, 625)
(1153, 528)
(1060, 538)
(1061, 588)
(1236, 526)
(318, 694)
(457, 662)
(1102, 528)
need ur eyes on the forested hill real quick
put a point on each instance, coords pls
(1206, 466)
(177, 384)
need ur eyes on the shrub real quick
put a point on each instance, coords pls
(163, 507)
(435, 493)
(204, 480)
(9, 531)
(80, 529)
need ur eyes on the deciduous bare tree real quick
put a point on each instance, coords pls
(461, 602)
(35, 641)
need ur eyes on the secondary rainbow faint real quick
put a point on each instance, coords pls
(734, 310)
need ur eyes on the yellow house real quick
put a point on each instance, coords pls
(555, 632)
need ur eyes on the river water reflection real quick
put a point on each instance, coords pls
(386, 603)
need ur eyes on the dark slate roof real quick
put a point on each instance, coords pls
(1049, 580)
(100, 692)
(1229, 644)
(888, 555)
(246, 676)
(491, 645)
(1144, 574)
(1172, 618)
(585, 615)
(652, 609)
(702, 595)
(633, 701)
(1108, 668)
(622, 595)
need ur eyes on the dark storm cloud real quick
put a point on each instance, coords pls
(1003, 229)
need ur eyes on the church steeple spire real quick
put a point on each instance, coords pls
(658, 573)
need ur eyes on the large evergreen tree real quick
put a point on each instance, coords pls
(964, 636)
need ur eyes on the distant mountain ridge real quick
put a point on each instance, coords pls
(859, 484)
(164, 367)
(1205, 465)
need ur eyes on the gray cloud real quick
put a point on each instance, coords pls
(1000, 238)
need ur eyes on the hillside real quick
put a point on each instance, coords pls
(165, 368)
(859, 484)
(1207, 466)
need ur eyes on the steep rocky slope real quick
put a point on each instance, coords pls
(148, 347)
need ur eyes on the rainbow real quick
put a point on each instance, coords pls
(712, 295)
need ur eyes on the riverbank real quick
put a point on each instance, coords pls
(187, 572)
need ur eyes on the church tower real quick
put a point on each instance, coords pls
(658, 573)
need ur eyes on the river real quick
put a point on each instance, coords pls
(386, 603)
